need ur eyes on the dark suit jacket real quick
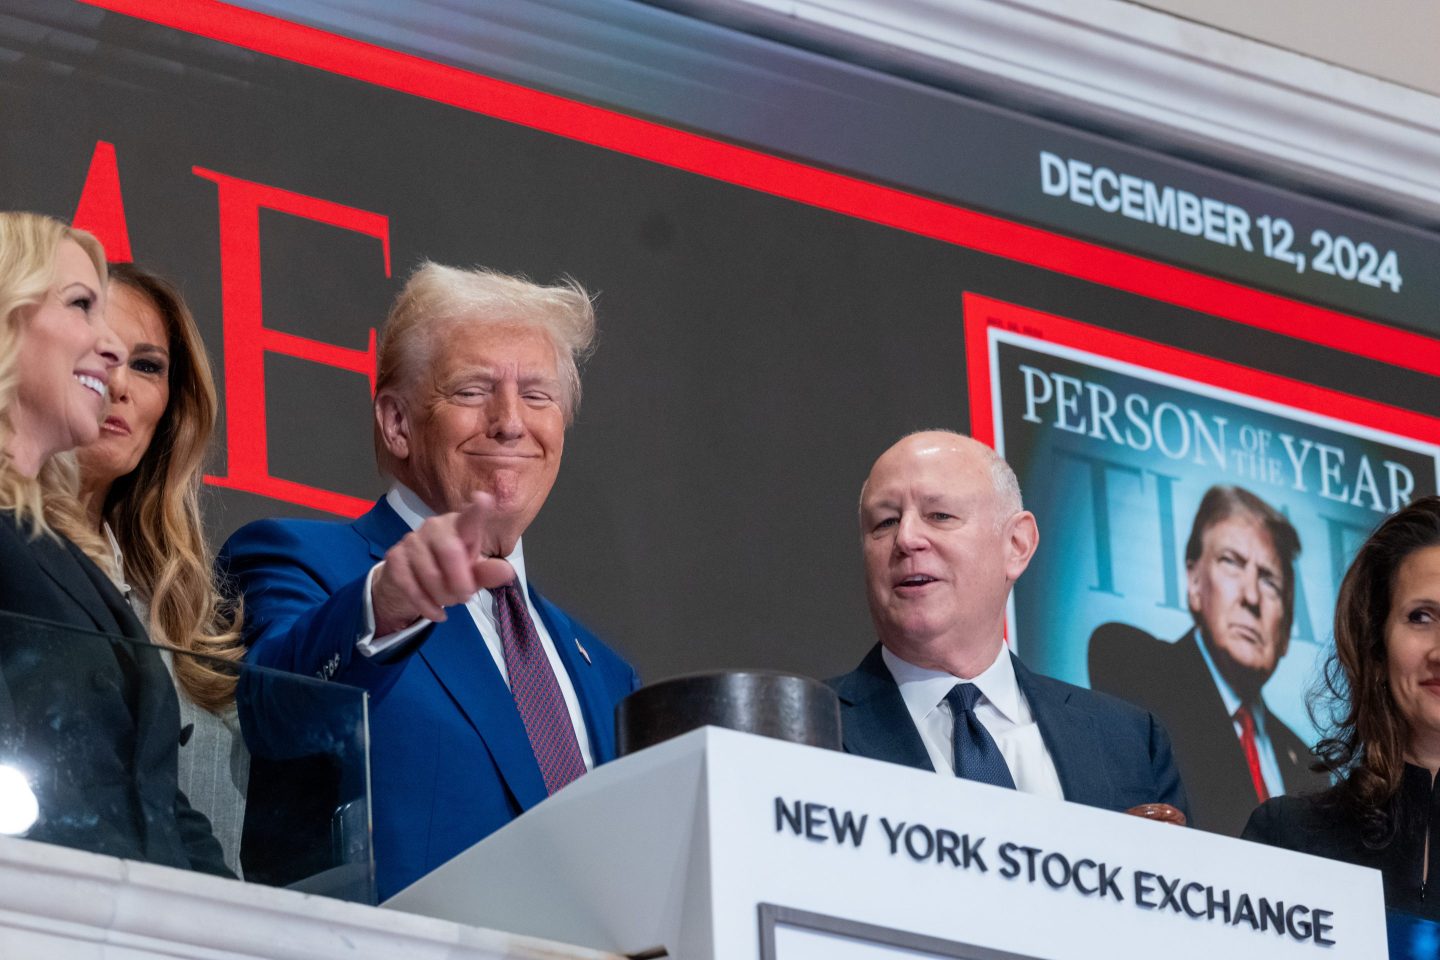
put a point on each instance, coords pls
(96, 722)
(1107, 753)
(449, 756)
(1172, 681)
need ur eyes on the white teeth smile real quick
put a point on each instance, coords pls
(91, 383)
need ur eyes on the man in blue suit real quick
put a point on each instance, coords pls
(945, 536)
(485, 698)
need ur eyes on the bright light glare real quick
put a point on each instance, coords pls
(18, 807)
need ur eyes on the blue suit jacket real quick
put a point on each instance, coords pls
(450, 760)
(1108, 754)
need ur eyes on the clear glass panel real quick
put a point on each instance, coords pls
(1412, 937)
(94, 755)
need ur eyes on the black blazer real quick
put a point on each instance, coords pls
(1172, 681)
(94, 723)
(1317, 824)
(1107, 753)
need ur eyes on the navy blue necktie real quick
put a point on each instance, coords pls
(976, 755)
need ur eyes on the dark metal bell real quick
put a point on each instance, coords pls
(779, 705)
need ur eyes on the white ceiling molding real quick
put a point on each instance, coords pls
(1143, 70)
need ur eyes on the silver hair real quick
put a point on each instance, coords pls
(1007, 485)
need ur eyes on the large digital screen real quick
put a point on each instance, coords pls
(796, 261)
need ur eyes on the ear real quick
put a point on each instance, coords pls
(392, 418)
(1192, 584)
(1022, 537)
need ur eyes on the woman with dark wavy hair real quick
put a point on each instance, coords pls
(138, 516)
(1382, 684)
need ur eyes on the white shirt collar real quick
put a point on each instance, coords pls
(1228, 696)
(414, 511)
(923, 689)
(117, 559)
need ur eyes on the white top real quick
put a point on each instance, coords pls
(1269, 765)
(1002, 710)
(481, 607)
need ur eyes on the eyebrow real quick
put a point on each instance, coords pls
(149, 348)
(525, 379)
(536, 379)
(1276, 572)
(82, 285)
(950, 500)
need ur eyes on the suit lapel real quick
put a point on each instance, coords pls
(1210, 745)
(128, 624)
(457, 656)
(55, 560)
(1294, 757)
(157, 718)
(874, 720)
(1071, 737)
(595, 704)
(381, 526)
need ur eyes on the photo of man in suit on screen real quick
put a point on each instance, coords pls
(1233, 751)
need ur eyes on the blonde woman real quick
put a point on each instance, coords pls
(88, 721)
(139, 491)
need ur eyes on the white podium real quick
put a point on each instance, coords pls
(724, 846)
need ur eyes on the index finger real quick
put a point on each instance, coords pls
(471, 523)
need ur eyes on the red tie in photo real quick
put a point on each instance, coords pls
(1252, 755)
(536, 691)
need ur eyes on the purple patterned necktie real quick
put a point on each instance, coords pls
(536, 691)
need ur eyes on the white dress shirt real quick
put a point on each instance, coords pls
(1002, 710)
(481, 607)
(1269, 765)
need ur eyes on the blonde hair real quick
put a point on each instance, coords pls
(154, 511)
(29, 245)
(437, 299)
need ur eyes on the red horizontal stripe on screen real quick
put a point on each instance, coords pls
(796, 181)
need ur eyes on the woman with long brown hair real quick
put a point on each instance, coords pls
(87, 713)
(140, 496)
(1383, 683)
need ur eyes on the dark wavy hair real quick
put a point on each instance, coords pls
(155, 510)
(1366, 748)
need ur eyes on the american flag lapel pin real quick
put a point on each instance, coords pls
(581, 647)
